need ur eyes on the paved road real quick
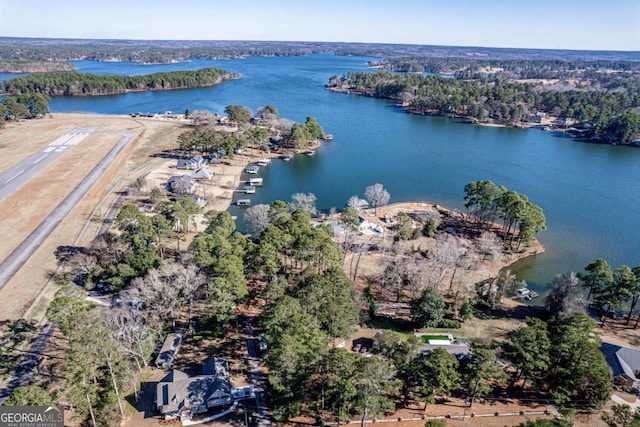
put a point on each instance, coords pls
(23, 372)
(22, 253)
(15, 177)
(259, 380)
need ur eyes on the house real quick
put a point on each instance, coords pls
(179, 396)
(181, 184)
(459, 347)
(169, 351)
(202, 174)
(624, 363)
(196, 162)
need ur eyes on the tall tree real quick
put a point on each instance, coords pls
(481, 371)
(427, 311)
(528, 348)
(598, 276)
(377, 195)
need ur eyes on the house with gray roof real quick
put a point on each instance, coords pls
(202, 174)
(624, 363)
(179, 396)
(181, 184)
(196, 162)
(169, 351)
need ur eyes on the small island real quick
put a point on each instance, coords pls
(86, 84)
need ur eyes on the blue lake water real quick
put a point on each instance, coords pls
(590, 193)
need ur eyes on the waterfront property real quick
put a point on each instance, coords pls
(202, 174)
(196, 162)
(181, 184)
(624, 363)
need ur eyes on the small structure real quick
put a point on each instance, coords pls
(255, 181)
(202, 174)
(624, 363)
(179, 396)
(338, 343)
(243, 202)
(310, 153)
(328, 137)
(181, 184)
(169, 351)
(459, 347)
(248, 189)
(196, 162)
(263, 162)
(201, 202)
(252, 169)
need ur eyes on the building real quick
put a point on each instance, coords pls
(181, 184)
(624, 363)
(179, 396)
(196, 162)
(169, 351)
(202, 174)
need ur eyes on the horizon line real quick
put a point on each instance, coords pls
(314, 41)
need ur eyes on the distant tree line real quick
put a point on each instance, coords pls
(474, 68)
(22, 66)
(84, 84)
(606, 115)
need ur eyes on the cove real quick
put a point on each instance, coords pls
(589, 193)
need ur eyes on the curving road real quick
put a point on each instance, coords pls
(19, 256)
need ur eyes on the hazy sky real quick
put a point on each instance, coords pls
(566, 24)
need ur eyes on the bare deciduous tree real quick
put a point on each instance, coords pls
(304, 201)
(257, 218)
(377, 196)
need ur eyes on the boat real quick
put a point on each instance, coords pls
(525, 294)
(255, 181)
(287, 157)
(249, 189)
(309, 153)
(253, 169)
(263, 162)
(243, 202)
(328, 137)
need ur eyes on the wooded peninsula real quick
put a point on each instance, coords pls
(86, 84)
(606, 114)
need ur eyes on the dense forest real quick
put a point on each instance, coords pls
(83, 84)
(607, 115)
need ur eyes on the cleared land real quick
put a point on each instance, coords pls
(31, 203)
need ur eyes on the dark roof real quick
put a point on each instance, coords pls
(177, 390)
(622, 360)
(168, 351)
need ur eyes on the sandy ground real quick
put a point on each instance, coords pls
(22, 211)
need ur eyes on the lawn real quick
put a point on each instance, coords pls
(428, 337)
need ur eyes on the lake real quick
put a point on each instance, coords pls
(590, 193)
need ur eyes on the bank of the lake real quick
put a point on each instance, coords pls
(589, 192)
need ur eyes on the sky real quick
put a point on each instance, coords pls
(545, 24)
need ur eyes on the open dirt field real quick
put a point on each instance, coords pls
(25, 209)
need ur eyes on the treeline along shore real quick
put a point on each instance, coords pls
(601, 115)
(86, 84)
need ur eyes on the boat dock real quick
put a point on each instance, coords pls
(263, 162)
(248, 189)
(252, 169)
(243, 202)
